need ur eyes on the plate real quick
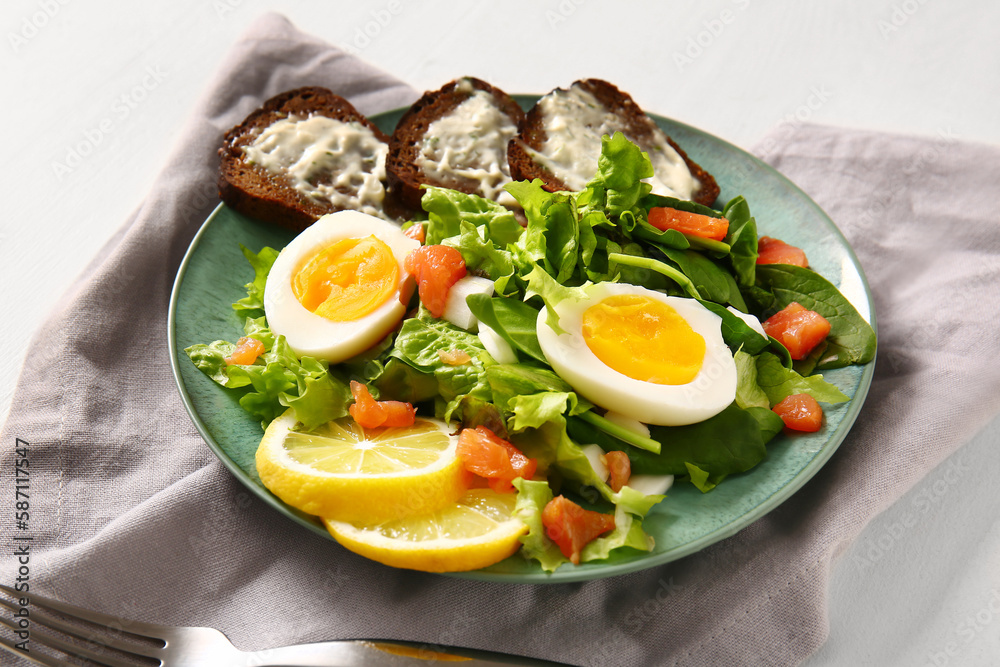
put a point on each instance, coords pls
(214, 272)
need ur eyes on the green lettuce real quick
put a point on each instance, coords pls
(448, 209)
(277, 380)
(533, 496)
(252, 305)
(462, 392)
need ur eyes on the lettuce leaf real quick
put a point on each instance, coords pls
(448, 209)
(482, 256)
(462, 390)
(618, 186)
(277, 380)
(252, 305)
(533, 496)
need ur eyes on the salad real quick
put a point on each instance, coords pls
(548, 353)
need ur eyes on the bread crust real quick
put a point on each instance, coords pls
(403, 174)
(639, 129)
(254, 191)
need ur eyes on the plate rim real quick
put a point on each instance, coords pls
(563, 574)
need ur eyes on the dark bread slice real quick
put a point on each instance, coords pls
(403, 173)
(254, 191)
(639, 129)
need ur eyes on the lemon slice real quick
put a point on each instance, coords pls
(343, 471)
(477, 531)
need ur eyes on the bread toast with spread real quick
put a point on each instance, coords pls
(304, 153)
(559, 142)
(454, 137)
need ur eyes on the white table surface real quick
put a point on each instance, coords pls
(114, 82)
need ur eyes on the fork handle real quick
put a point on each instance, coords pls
(381, 653)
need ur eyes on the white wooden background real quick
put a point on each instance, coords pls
(114, 81)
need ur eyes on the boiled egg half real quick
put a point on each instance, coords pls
(651, 357)
(339, 287)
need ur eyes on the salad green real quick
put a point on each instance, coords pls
(570, 239)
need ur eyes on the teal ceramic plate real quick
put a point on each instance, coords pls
(214, 272)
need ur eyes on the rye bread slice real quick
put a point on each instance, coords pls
(402, 169)
(639, 129)
(256, 192)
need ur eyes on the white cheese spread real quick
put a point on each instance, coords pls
(342, 163)
(574, 123)
(467, 148)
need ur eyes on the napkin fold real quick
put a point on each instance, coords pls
(131, 514)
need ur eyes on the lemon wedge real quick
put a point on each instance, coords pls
(475, 532)
(343, 471)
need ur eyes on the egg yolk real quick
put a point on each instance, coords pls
(347, 280)
(643, 338)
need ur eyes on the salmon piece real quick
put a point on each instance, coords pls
(776, 251)
(800, 412)
(694, 224)
(415, 232)
(798, 329)
(486, 454)
(369, 413)
(620, 468)
(246, 352)
(572, 528)
(436, 268)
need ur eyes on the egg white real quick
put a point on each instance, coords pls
(709, 393)
(309, 334)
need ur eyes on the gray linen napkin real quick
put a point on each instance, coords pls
(131, 514)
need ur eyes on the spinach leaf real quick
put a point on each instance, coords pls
(514, 320)
(551, 237)
(712, 282)
(730, 442)
(779, 382)
(735, 332)
(770, 424)
(509, 381)
(742, 240)
(651, 201)
(748, 392)
(851, 339)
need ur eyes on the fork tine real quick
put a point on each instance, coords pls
(45, 619)
(37, 658)
(49, 640)
(147, 630)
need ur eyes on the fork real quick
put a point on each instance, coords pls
(117, 642)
